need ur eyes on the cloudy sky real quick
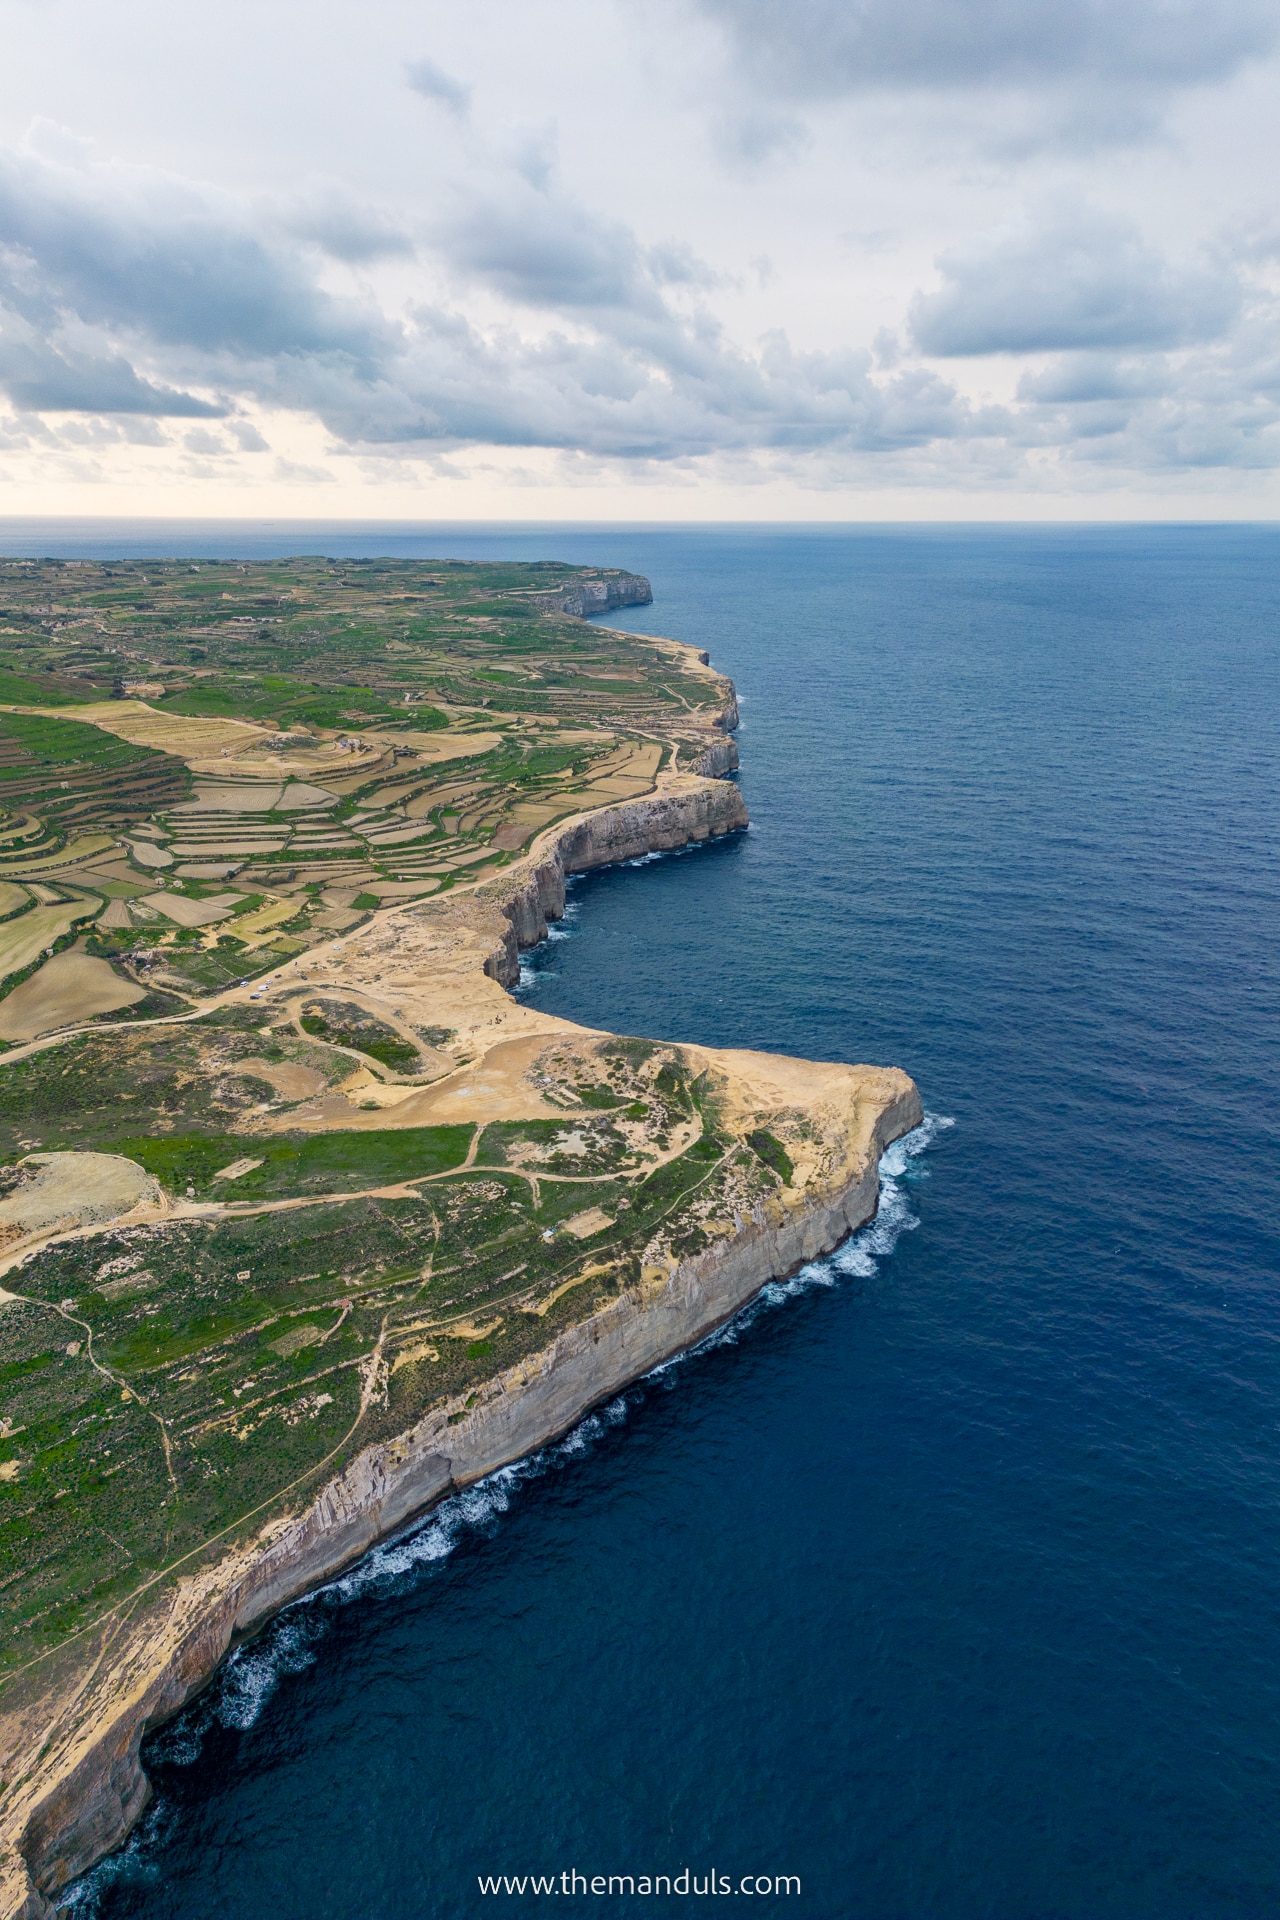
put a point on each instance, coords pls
(816, 259)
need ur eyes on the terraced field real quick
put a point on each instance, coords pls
(317, 752)
(326, 736)
(162, 1378)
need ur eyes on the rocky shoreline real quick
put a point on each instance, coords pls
(103, 1789)
(87, 1786)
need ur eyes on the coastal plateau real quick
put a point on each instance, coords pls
(305, 1222)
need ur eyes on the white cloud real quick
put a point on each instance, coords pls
(1076, 279)
(433, 83)
(839, 244)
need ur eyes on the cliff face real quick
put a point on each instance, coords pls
(598, 596)
(100, 1786)
(689, 809)
(715, 761)
(85, 1721)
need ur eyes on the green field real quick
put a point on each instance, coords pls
(245, 1334)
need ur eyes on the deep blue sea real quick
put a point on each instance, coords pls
(949, 1581)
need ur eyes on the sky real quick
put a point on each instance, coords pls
(641, 259)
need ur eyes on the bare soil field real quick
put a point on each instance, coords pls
(71, 987)
(187, 737)
(192, 913)
(80, 1189)
(290, 1079)
(22, 939)
(115, 872)
(229, 799)
(495, 1087)
(148, 856)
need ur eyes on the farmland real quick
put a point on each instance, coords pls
(321, 734)
(252, 820)
(243, 1338)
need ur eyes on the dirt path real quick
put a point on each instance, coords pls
(117, 1380)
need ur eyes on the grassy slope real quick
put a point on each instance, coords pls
(246, 1335)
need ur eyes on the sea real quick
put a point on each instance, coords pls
(944, 1584)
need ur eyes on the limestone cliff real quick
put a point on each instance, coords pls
(71, 1732)
(601, 595)
(687, 810)
(94, 1785)
(716, 760)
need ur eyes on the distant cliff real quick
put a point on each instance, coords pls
(688, 809)
(598, 595)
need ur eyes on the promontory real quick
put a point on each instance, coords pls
(305, 1221)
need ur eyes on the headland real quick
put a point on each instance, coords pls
(307, 1223)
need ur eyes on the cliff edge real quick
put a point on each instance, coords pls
(594, 1206)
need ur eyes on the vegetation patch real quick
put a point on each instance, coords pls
(344, 1024)
(301, 1163)
(773, 1153)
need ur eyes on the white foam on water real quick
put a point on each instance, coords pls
(476, 1509)
(857, 1259)
(663, 853)
(253, 1673)
(532, 973)
(179, 1743)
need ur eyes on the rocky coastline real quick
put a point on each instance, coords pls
(102, 1788)
(87, 1787)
